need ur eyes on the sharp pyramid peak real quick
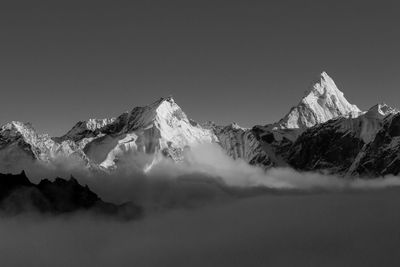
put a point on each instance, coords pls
(162, 100)
(154, 105)
(323, 85)
(163, 109)
(322, 101)
(324, 75)
(325, 91)
(160, 105)
(166, 107)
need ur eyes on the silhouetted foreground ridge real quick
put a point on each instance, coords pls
(18, 195)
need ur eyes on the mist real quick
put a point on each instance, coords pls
(337, 229)
(211, 210)
(205, 175)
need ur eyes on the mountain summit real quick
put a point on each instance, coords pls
(145, 133)
(322, 102)
(323, 132)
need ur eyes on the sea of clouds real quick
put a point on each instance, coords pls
(210, 210)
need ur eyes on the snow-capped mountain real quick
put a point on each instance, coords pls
(142, 135)
(339, 145)
(21, 144)
(139, 137)
(323, 132)
(322, 102)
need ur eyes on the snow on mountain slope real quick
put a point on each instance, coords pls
(382, 155)
(25, 135)
(269, 145)
(324, 101)
(241, 143)
(381, 111)
(84, 128)
(338, 145)
(14, 150)
(371, 122)
(324, 132)
(84, 132)
(20, 142)
(159, 128)
(321, 103)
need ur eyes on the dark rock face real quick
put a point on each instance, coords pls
(10, 183)
(337, 147)
(382, 156)
(241, 143)
(67, 195)
(325, 147)
(18, 194)
(274, 143)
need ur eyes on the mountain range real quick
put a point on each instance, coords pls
(323, 132)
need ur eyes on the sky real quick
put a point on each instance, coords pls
(226, 61)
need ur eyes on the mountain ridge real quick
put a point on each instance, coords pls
(145, 134)
(18, 195)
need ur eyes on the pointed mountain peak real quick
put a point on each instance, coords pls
(381, 110)
(160, 107)
(161, 104)
(163, 100)
(164, 108)
(168, 99)
(322, 102)
(324, 75)
(322, 86)
(167, 107)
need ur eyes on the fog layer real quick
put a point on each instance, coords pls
(337, 229)
(205, 174)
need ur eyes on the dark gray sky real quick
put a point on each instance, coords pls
(243, 61)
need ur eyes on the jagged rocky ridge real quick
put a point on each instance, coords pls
(344, 145)
(18, 195)
(324, 132)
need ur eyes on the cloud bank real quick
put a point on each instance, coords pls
(245, 225)
(206, 174)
